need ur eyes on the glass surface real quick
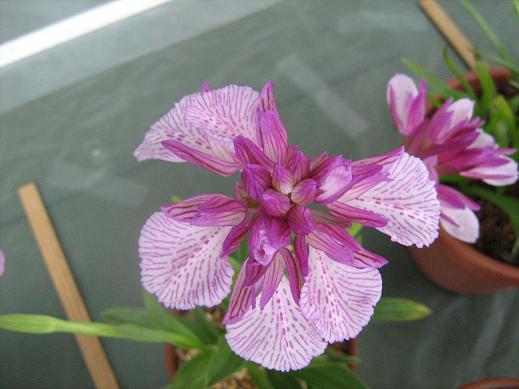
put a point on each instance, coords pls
(71, 117)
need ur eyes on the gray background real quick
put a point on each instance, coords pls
(72, 116)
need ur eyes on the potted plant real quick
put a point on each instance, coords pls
(479, 159)
(291, 279)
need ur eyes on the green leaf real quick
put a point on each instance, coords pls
(458, 74)
(41, 324)
(163, 319)
(204, 327)
(329, 376)
(516, 9)
(193, 373)
(487, 30)
(500, 61)
(127, 315)
(488, 88)
(435, 84)
(398, 309)
(501, 105)
(259, 376)
(507, 203)
(355, 229)
(283, 380)
(223, 362)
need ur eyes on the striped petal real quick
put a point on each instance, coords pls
(279, 336)
(408, 202)
(338, 298)
(200, 128)
(181, 263)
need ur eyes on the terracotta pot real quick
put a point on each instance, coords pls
(494, 383)
(172, 363)
(455, 265)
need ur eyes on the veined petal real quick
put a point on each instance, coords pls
(406, 102)
(301, 220)
(241, 300)
(352, 214)
(454, 199)
(301, 251)
(338, 298)
(366, 259)
(333, 177)
(208, 210)
(460, 223)
(409, 203)
(282, 179)
(502, 175)
(224, 113)
(273, 136)
(256, 179)
(275, 203)
(268, 235)
(181, 263)
(297, 163)
(293, 268)
(334, 241)
(449, 119)
(200, 158)
(279, 336)
(271, 279)
(234, 238)
(304, 192)
(248, 152)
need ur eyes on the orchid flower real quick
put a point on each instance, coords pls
(2, 263)
(306, 281)
(450, 141)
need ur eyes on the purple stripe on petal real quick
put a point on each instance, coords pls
(234, 238)
(337, 298)
(271, 279)
(180, 263)
(304, 192)
(327, 218)
(267, 236)
(366, 259)
(249, 153)
(297, 163)
(205, 87)
(282, 179)
(301, 251)
(279, 337)
(273, 136)
(256, 179)
(185, 210)
(460, 223)
(293, 271)
(455, 199)
(362, 216)
(334, 241)
(333, 176)
(220, 211)
(301, 220)
(241, 299)
(275, 203)
(198, 158)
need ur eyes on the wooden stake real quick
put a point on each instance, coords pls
(65, 286)
(448, 28)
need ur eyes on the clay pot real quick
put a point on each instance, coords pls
(494, 383)
(455, 265)
(350, 347)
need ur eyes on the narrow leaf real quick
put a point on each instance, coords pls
(458, 74)
(487, 30)
(508, 204)
(193, 373)
(40, 324)
(223, 362)
(127, 315)
(488, 88)
(437, 86)
(398, 309)
(329, 376)
(163, 319)
(259, 376)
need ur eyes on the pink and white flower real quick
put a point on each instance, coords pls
(450, 141)
(306, 281)
(2, 263)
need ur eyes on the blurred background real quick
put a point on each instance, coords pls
(72, 114)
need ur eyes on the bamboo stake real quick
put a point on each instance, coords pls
(448, 28)
(65, 286)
